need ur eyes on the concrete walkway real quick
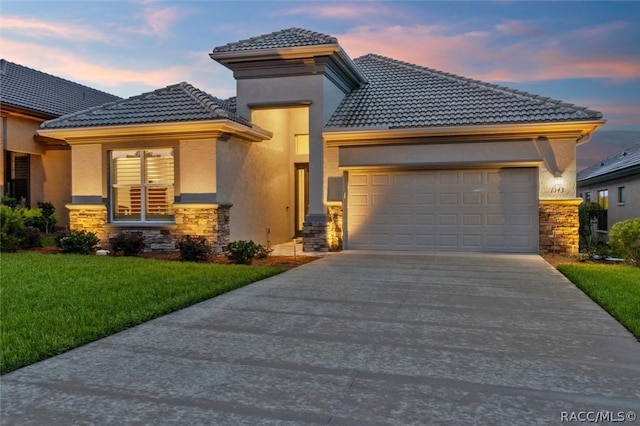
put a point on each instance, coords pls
(353, 338)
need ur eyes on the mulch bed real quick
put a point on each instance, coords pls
(286, 262)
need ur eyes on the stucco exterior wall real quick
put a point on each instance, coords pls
(559, 160)
(256, 179)
(89, 171)
(20, 132)
(196, 172)
(51, 181)
(618, 211)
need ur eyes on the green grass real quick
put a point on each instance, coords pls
(53, 303)
(614, 287)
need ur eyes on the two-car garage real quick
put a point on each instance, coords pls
(443, 209)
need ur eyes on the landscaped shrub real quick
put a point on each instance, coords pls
(58, 236)
(263, 251)
(33, 218)
(624, 238)
(586, 212)
(80, 242)
(49, 214)
(30, 237)
(129, 243)
(9, 201)
(11, 227)
(242, 252)
(193, 248)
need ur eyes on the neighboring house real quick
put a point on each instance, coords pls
(35, 169)
(614, 184)
(371, 153)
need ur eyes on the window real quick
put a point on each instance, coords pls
(587, 197)
(302, 144)
(142, 185)
(603, 198)
(622, 195)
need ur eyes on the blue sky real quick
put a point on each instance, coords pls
(587, 53)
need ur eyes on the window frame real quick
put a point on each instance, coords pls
(622, 195)
(143, 218)
(603, 198)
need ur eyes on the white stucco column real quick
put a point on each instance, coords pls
(317, 181)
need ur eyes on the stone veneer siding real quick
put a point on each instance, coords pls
(90, 218)
(559, 225)
(324, 236)
(334, 228)
(210, 221)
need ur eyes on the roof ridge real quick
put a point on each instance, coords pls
(479, 83)
(203, 98)
(6, 62)
(314, 37)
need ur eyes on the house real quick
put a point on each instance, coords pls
(613, 183)
(371, 153)
(35, 169)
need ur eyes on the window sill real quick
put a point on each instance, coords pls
(161, 225)
(620, 204)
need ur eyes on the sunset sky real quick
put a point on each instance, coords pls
(587, 53)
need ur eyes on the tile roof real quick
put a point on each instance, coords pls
(618, 162)
(404, 95)
(291, 37)
(178, 102)
(45, 94)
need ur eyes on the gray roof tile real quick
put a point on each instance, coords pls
(45, 94)
(625, 159)
(179, 102)
(404, 95)
(291, 37)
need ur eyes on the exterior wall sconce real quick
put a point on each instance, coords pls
(558, 185)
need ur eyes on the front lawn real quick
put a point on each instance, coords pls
(614, 287)
(53, 303)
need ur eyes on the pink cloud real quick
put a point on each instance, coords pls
(157, 21)
(335, 11)
(87, 70)
(474, 54)
(48, 29)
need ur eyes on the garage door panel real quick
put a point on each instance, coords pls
(474, 219)
(480, 210)
(472, 198)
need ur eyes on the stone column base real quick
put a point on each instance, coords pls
(559, 223)
(207, 220)
(334, 227)
(90, 218)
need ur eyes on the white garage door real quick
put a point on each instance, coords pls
(460, 210)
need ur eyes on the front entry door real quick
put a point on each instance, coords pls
(302, 195)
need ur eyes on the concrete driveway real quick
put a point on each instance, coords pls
(354, 338)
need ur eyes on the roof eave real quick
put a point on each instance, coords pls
(186, 129)
(382, 134)
(344, 62)
(611, 175)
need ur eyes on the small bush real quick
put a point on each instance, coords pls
(49, 215)
(624, 238)
(58, 236)
(242, 252)
(193, 248)
(80, 242)
(11, 228)
(30, 238)
(33, 218)
(129, 243)
(10, 201)
(263, 251)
